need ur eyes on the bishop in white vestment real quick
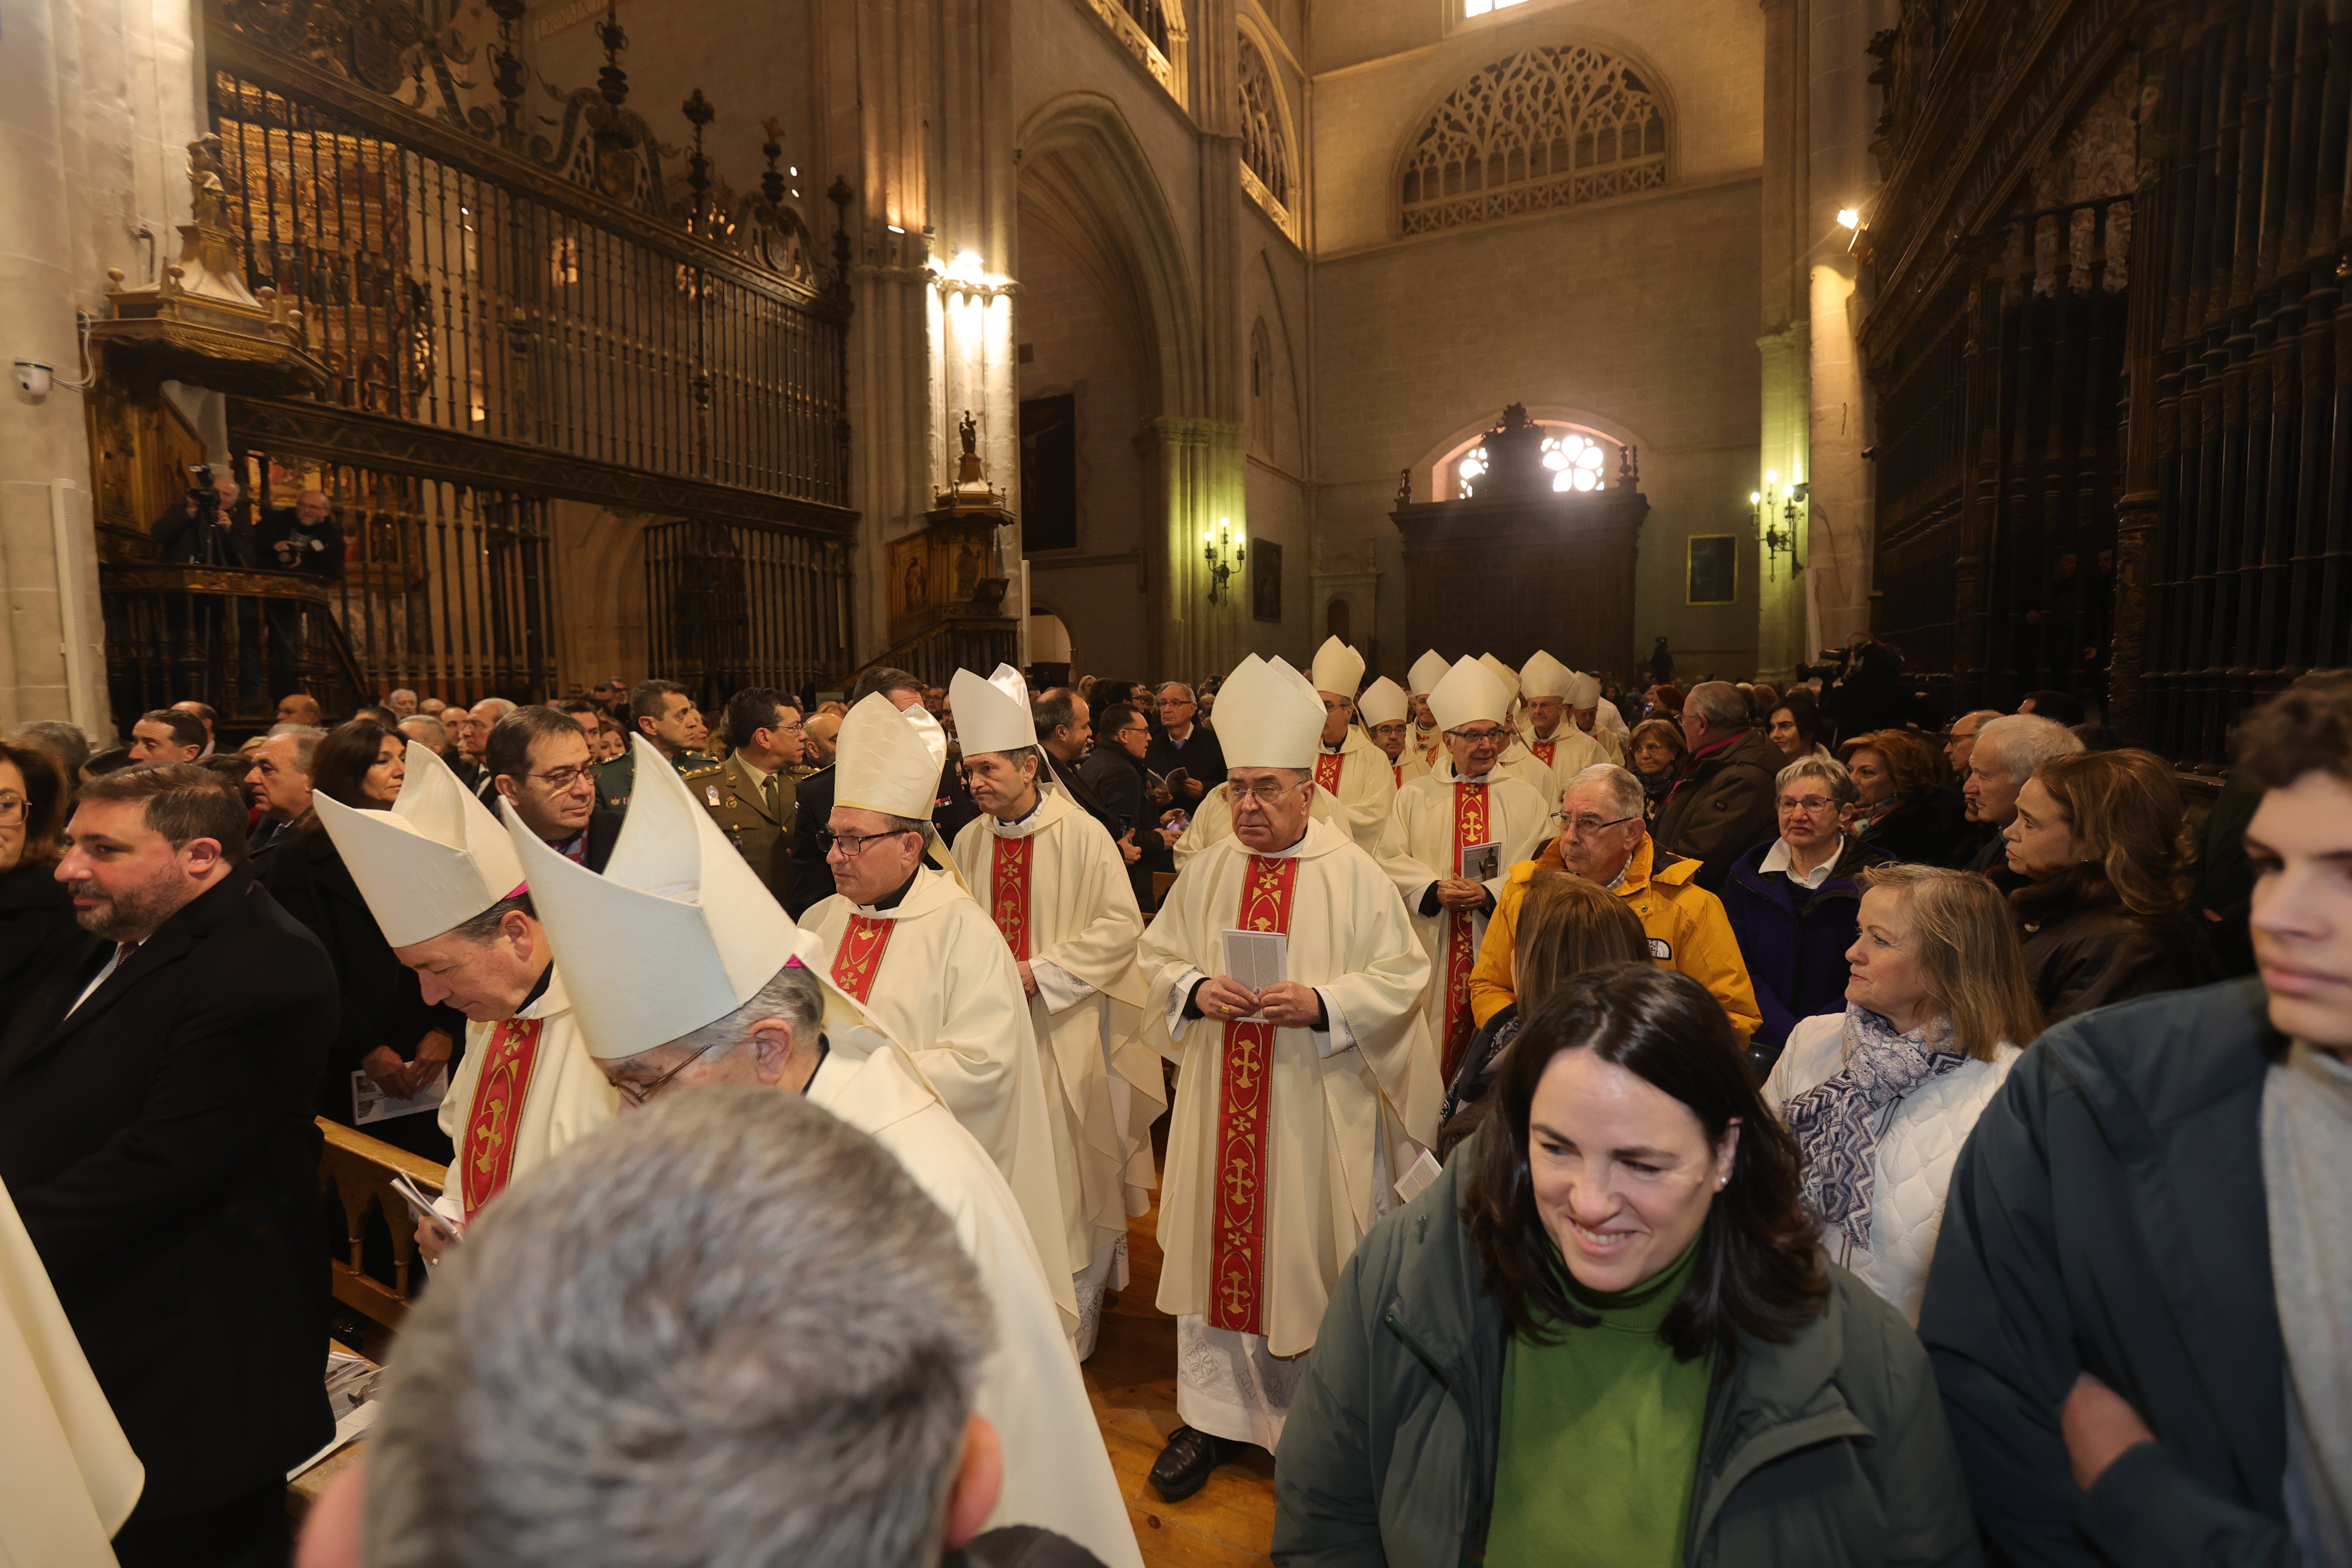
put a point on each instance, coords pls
(1056, 886)
(691, 973)
(1299, 1100)
(1387, 713)
(1357, 774)
(1420, 681)
(447, 889)
(1440, 827)
(913, 949)
(1212, 821)
(1549, 729)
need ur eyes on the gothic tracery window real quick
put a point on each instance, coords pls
(1265, 148)
(1540, 128)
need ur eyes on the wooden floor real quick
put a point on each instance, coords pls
(1131, 1379)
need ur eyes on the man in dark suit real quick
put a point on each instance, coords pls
(539, 759)
(1183, 742)
(156, 1133)
(1114, 771)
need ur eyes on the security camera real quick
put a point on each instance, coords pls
(33, 378)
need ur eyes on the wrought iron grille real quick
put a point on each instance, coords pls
(484, 299)
(734, 604)
(446, 588)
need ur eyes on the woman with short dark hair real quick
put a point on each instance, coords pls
(1656, 752)
(38, 934)
(1604, 1334)
(388, 1032)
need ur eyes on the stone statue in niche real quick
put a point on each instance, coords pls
(971, 470)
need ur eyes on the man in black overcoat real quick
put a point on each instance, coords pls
(155, 1134)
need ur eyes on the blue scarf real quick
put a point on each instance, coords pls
(1837, 1124)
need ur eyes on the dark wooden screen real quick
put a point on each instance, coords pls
(734, 604)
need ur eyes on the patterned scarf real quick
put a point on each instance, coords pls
(1837, 1124)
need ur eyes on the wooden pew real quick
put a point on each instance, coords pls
(359, 1170)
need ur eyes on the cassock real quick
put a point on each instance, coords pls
(1361, 777)
(1435, 824)
(1284, 1143)
(1212, 820)
(1057, 889)
(534, 1060)
(1057, 1472)
(935, 974)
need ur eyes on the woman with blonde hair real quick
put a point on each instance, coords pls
(1567, 925)
(1881, 1096)
(2103, 840)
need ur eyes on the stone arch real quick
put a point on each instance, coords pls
(1269, 151)
(1545, 126)
(1429, 480)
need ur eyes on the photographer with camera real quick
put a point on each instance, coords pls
(204, 530)
(306, 538)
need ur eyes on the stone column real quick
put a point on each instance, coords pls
(1785, 390)
(97, 103)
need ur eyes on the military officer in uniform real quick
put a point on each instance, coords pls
(665, 714)
(749, 796)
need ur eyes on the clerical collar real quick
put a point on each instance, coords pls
(823, 1052)
(1290, 852)
(531, 999)
(1021, 826)
(1336, 747)
(892, 901)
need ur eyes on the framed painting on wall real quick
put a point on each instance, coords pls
(1713, 575)
(1266, 580)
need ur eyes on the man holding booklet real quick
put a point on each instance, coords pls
(1452, 841)
(1285, 976)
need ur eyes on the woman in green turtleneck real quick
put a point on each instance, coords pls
(1604, 1335)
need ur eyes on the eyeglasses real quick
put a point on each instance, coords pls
(1268, 793)
(561, 779)
(849, 844)
(1806, 803)
(1135, 730)
(1478, 737)
(1586, 826)
(1174, 702)
(12, 810)
(637, 1095)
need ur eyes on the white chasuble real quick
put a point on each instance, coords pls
(1517, 761)
(1285, 1141)
(1058, 889)
(1566, 753)
(1362, 778)
(1410, 765)
(526, 1090)
(1057, 1472)
(1434, 821)
(1212, 820)
(934, 974)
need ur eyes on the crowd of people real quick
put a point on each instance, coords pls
(1601, 1124)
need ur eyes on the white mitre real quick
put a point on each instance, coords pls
(1582, 691)
(1426, 672)
(676, 933)
(889, 761)
(433, 861)
(989, 716)
(1337, 668)
(1269, 717)
(1502, 672)
(1384, 702)
(1544, 676)
(1469, 694)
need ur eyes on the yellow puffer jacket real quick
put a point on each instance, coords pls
(1685, 924)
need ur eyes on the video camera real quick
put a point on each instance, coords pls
(204, 494)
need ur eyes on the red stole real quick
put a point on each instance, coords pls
(1397, 769)
(487, 1157)
(1237, 1235)
(1327, 769)
(1544, 749)
(859, 957)
(1461, 936)
(1008, 903)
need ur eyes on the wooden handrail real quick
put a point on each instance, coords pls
(359, 1170)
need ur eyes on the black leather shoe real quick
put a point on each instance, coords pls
(1184, 1467)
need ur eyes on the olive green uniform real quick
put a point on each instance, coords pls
(756, 818)
(617, 779)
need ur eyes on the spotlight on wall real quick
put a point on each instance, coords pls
(1849, 217)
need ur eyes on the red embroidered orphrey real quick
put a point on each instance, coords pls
(1245, 1088)
(486, 1159)
(1461, 935)
(859, 957)
(1009, 896)
(1327, 769)
(1544, 749)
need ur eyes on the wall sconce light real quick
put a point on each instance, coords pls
(1224, 556)
(1775, 530)
(1849, 217)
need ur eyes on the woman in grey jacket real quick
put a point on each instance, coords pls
(1604, 1335)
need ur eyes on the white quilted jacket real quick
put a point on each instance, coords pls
(1916, 1148)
